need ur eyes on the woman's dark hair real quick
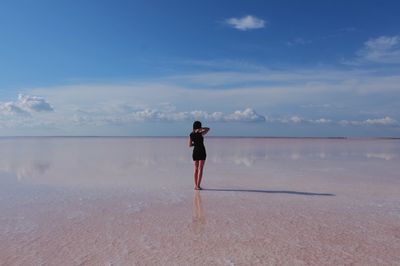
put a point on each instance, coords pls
(196, 125)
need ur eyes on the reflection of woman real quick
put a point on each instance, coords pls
(196, 140)
(198, 219)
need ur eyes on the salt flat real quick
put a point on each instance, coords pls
(130, 201)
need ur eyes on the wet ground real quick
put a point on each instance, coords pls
(130, 201)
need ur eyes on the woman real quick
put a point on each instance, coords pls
(199, 151)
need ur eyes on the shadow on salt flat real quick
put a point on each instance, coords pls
(270, 191)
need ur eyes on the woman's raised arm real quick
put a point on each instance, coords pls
(205, 130)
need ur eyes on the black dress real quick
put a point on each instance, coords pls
(199, 151)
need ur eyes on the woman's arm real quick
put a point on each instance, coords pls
(204, 130)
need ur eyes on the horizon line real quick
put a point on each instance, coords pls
(252, 137)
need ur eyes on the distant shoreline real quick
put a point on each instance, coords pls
(212, 137)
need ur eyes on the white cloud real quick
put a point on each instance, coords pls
(10, 108)
(384, 49)
(296, 119)
(322, 121)
(33, 103)
(27, 112)
(12, 115)
(300, 120)
(213, 117)
(246, 23)
(346, 123)
(154, 115)
(385, 121)
(241, 116)
(25, 105)
(247, 115)
(145, 115)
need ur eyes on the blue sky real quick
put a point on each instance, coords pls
(253, 68)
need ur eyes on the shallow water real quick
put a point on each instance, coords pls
(130, 201)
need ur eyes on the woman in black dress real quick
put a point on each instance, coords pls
(196, 140)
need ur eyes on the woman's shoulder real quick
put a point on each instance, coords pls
(195, 134)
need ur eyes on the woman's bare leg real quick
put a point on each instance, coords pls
(196, 174)
(201, 166)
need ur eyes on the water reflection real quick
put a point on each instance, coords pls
(250, 152)
(198, 218)
(146, 162)
(382, 156)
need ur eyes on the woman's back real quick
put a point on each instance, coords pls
(197, 139)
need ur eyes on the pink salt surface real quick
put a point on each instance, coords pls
(130, 201)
